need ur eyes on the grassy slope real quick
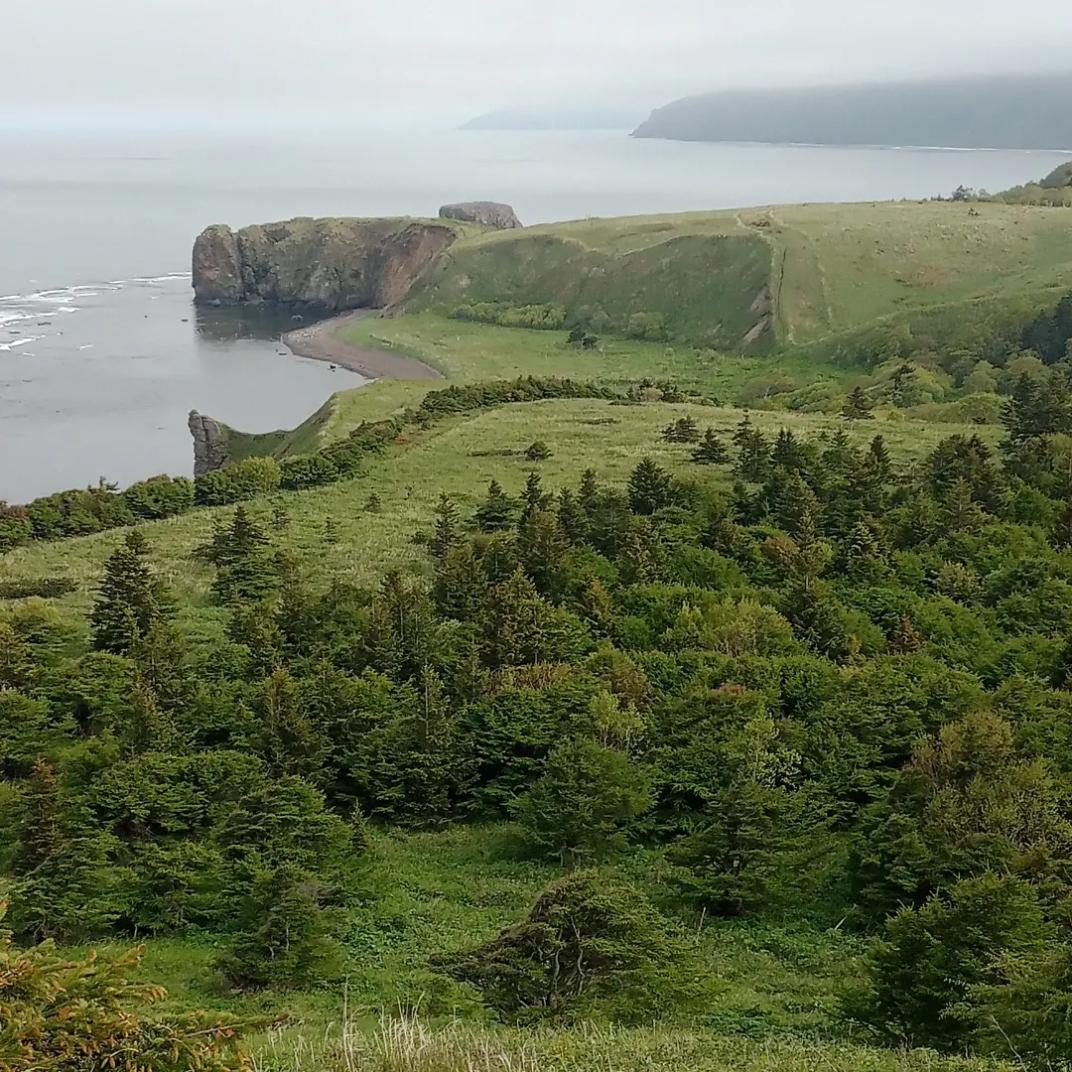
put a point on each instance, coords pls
(831, 267)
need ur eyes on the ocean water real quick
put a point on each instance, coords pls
(102, 353)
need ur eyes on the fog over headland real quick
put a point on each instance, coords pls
(417, 62)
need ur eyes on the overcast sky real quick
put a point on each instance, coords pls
(438, 62)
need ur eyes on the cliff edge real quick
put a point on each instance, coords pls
(332, 264)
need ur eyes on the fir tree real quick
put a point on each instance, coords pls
(650, 488)
(753, 452)
(532, 498)
(683, 430)
(331, 531)
(496, 512)
(961, 512)
(711, 450)
(840, 458)
(245, 569)
(373, 504)
(280, 516)
(879, 456)
(572, 517)
(588, 492)
(447, 526)
(41, 833)
(857, 406)
(129, 600)
(1061, 530)
(286, 936)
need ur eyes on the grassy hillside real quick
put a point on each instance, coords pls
(830, 268)
(459, 457)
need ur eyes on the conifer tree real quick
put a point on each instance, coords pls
(683, 430)
(879, 456)
(496, 512)
(280, 516)
(286, 935)
(588, 492)
(961, 512)
(840, 458)
(292, 744)
(538, 451)
(753, 452)
(857, 406)
(544, 553)
(245, 569)
(447, 529)
(41, 833)
(129, 600)
(650, 488)
(532, 498)
(572, 517)
(711, 450)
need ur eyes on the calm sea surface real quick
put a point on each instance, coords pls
(102, 353)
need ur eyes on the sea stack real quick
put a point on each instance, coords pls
(487, 213)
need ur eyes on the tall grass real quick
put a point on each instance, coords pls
(401, 1043)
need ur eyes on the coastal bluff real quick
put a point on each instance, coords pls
(333, 264)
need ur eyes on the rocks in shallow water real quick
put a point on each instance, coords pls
(332, 264)
(488, 213)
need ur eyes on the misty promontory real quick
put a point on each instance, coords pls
(1025, 112)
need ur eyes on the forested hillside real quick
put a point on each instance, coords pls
(751, 725)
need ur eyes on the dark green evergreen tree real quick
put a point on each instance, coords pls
(447, 529)
(650, 488)
(857, 406)
(753, 452)
(711, 450)
(496, 512)
(130, 599)
(286, 932)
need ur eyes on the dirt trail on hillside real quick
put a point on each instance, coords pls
(323, 342)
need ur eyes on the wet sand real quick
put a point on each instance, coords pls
(323, 342)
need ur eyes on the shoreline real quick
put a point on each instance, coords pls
(321, 342)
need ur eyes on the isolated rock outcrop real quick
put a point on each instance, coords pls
(333, 264)
(210, 443)
(488, 213)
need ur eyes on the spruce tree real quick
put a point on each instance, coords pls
(650, 488)
(447, 529)
(292, 744)
(286, 936)
(711, 450)
(496, 512)
(245, 569)
(129, 599)
(878, 455)
(857, 406)
(572, 517)
(532, 498)
(41, 832)
(753, 452)
(588, 492)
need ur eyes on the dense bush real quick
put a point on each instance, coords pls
(237, 481)
(539, 317)
(588, 941)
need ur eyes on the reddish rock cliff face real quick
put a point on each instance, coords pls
(334, 264)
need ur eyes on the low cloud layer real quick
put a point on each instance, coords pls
(409, 61)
